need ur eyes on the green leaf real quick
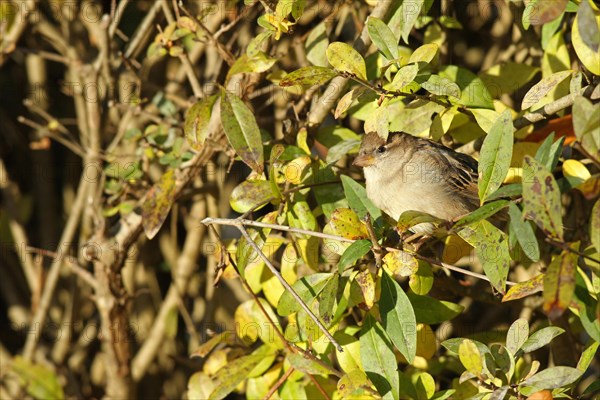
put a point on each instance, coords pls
(232, 373)
(524, 233)
(491, 247)
(398, 317)
(383, 37)
(424, 54)
(306, 365)
(595, 226)
(308, 76)
(242, 130)
(249, 194)
(470, 357)
(316, 45)
(541, 198)
(344, 58)
(158, 203)
(453, 345)
(38, 380)
(585, 36)
(517, 335)
(553, 378)
(429, 310)
(403, 77)
(586, 124)
(485, 118)
(473, 90)
(421, 281)
(559, 284)
(357, 198)
(378, 359)
(540, 89)
(259, 62)
(409, 11)
(353, 253)
(441, 86)
(507, 77)
(197, 121)
(549, 152)
(541, 338)
(344, 222)
(496, 153)
(308, 288)
(483, 212)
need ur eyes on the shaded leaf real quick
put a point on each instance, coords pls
(421, 282)
(595, 226)
(496, 153)
(586, 124)
(307, 288)
(197, 121)
(308, 76)
(524, 233)
(507, 77)
(378, 359)
(473, 90)
(398, 317)
(242, 130)
(549, 152)
(539, 12)
(158, 203)
(541, 198)
(344, 58)
(429, 310)
(409, 11)
(316, 45)
(353, 253)
(559, 284)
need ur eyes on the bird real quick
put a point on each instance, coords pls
(406, 172)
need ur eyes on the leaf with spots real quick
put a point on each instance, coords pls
(541, 198)
(345, 58)
(491, 247)
(308, 76)
(251, 194)
(524, 289)
(158, 203)
(197, 121)
(559, 284)
(344, 222)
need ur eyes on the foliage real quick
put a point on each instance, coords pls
(327, 298)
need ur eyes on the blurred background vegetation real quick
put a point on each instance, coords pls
(118, 138)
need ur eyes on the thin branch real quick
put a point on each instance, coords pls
(256, 224)
(279, 382)
(295, 295)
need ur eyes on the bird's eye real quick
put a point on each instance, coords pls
(381, 149)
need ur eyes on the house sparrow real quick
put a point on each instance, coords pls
(410, 173)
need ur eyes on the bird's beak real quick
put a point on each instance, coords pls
(364, 160)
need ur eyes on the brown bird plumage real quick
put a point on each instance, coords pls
(410, 173)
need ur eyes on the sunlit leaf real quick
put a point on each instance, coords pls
(307, 365)
(308, 76)
(517, 335)
(595, 226)
(316, 45)
(496, 153)
(307, 288)
(345, 223)
(409, 11)
(552, 378)
(258, 62)
(366, 285)
(523, 289)
(507, 77)
(242, 130)
(232, 374)
(474, 93)
(383, 37)
(541, 338)
(249, 194)
(401, 263)
(585, 34)
(158, 203)
(540, 89)
(344, 58)
(429, 310)
(483, 212)
(470, 357)
(421, 281)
